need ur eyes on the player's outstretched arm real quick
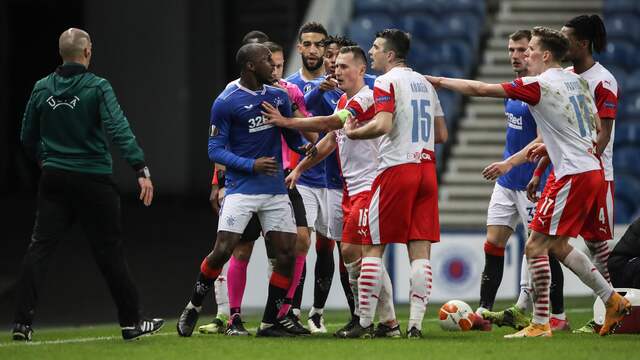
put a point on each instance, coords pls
(499, 168)
(315, 123)
(381, 124)
(468, 87)
(324, 148)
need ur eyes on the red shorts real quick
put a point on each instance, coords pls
(355, 212)
(568, 206)
(404, 205)
(602, 229)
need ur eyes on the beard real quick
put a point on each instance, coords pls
(305, 63)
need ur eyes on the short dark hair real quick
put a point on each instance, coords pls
(521, 34)
(590, 27)
(341, 41)
(255, 36)
(356, 51)
(552, 40)
(312, 27)
(273, 47)
(397, 41)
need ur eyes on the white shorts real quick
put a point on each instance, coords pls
(315, 205)
(335, 215)
(274, 211)
(508, 207)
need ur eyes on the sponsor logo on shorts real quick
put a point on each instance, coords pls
(419, 156)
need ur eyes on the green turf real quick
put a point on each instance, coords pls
(104, 342)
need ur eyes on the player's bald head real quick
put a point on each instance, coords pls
(72, 43)
(250, 53)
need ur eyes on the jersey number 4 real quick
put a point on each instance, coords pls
(421, 121)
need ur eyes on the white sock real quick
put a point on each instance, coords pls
(369, 285)
(579, 263)
(191, 306)
(525, 298)
(541, 279)
(480, 310)
(353, 269)
(600, 256)
(314, 311)
(420, 285)
(386, 310)
(221, 294)
(561, 316)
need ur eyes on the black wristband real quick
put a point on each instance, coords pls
(144, 173)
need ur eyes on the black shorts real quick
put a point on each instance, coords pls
(253, 230)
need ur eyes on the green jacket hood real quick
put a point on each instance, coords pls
(67, 78)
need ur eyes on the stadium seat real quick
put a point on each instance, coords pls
(623, 210)
(621, 76)
(625, 159)
(420, 57)
(362, 29)
(612, 7)
(631, 82)
(628, 189)
(456, 52)
(450, 71)
(461, 26)
(417, 6)
(627, 133)
(618, 53)
(629, 107)
(469, 6)
(422, 27)
(362, 7)
(623, 27)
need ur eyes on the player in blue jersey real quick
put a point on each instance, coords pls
(312, 185)
(509, 206)
(252, 153)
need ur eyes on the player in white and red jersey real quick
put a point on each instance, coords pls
(358, 165)
(586, 34)
(566, 116)
(404, 196)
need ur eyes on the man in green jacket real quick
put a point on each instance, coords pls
(66, 123)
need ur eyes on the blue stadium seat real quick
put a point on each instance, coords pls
(618, 53)
(457, 52)
(420, 57)
(631, 82)
(461, 26)
(422, 27)
(623, 27)
(610, 7)
(620, 74)
(414, 6)
(362, 7)
(450, 71)
(627, 133)
(623, 210)
(362, 29)
(629, 106)
(625, 159)
(627, 188)
(470, 6)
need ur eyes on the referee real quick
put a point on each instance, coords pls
(66, 123)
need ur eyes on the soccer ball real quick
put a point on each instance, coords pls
(456, 315)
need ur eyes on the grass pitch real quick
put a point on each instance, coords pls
(104, 342)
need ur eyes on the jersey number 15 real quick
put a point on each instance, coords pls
(421, 120)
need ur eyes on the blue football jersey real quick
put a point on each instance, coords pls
(238, 136)
(521, 130)
(315, 176)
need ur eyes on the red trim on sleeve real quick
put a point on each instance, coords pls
(529, 93)
(606, 102)
(384, 101)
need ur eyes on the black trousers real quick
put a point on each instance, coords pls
(624, 271)
(92, 200)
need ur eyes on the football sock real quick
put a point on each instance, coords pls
(556, 290)
(297, 297)
(600, 256)
(297, 273)
(270, 265)
(369, 285)
(526, 292)
(420, 286)
(491, 275)
(353, 270)
(559, 316)
(204, 283)
(221, 295)
(278, 286)
(385, 309)
(324, 269)
(346, 287)
(541, 278)
(236, 283)
(580, 264)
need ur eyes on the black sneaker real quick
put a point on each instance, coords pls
(289, 323)
(187, 322)
(340, 332)
(236, 327)
(275, 330)
(22, 332)
(316, 324)
(358, 332)
(384, 331)
(143, 328)
(414, 333)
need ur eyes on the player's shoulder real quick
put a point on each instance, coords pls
(294, 78)
(605, 78)
(275, 90)
(229, 90)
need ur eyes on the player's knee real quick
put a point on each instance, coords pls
(350, 252)
(324, 244)
(243, 252)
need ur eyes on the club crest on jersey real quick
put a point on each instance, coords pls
(278, 101)
(56, 102)
(213, 131)
(307, 88)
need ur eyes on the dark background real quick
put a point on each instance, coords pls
(167, 61)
